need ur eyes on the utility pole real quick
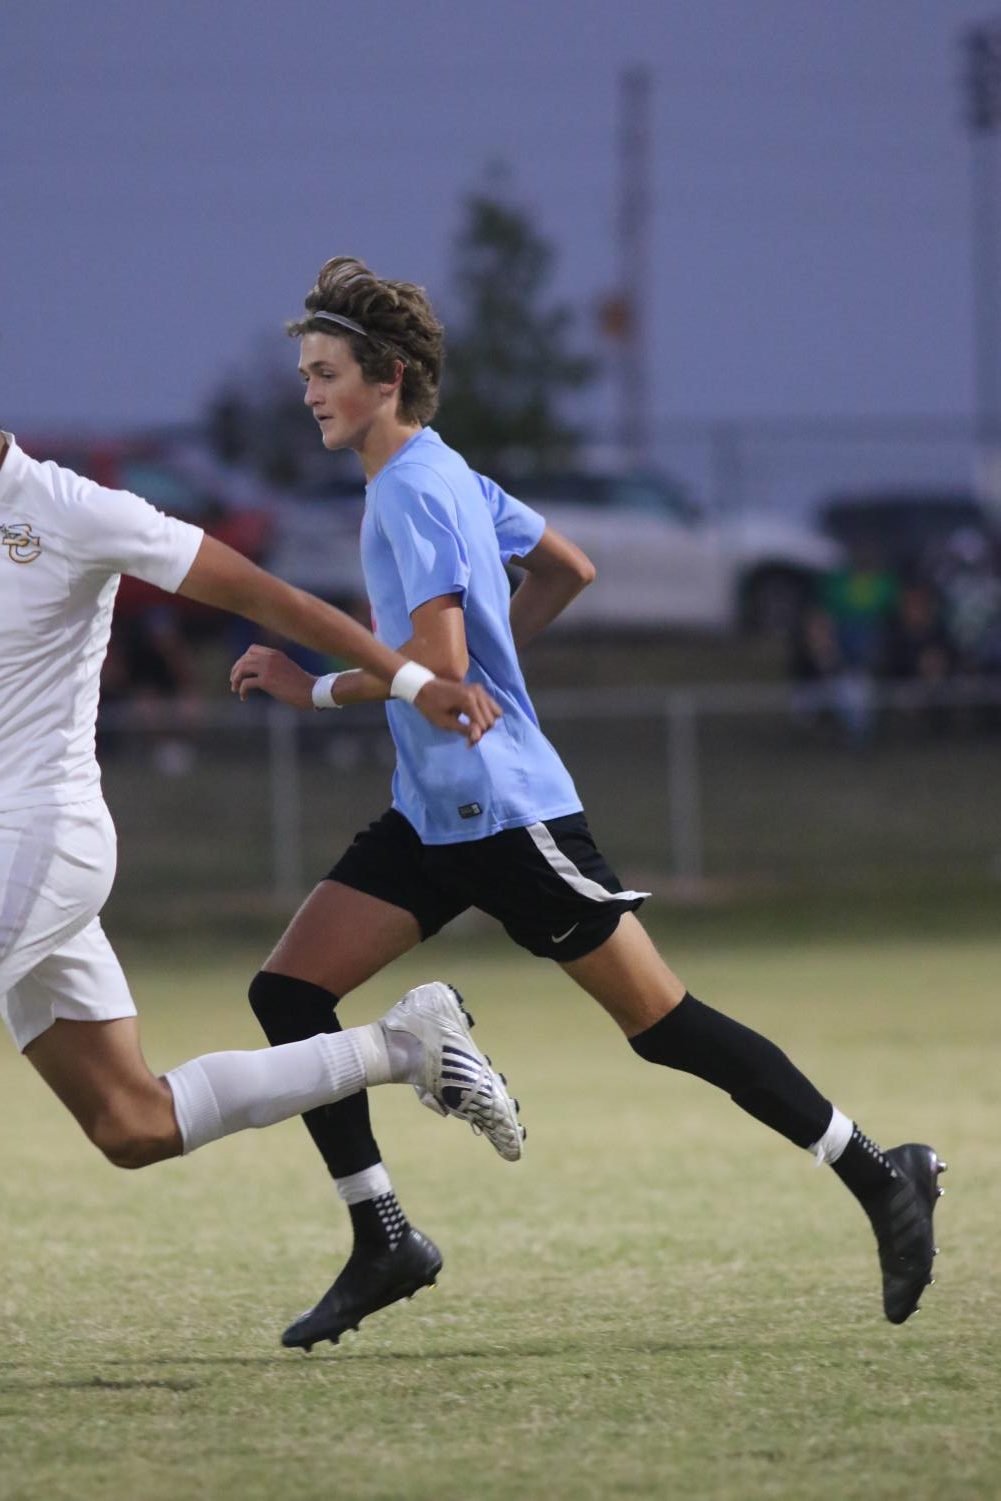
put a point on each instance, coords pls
(635, 283)
(983, 100)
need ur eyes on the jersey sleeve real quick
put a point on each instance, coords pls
(417, 515)
(122, 533)
(517, 526)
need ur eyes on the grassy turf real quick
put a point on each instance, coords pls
(661, 1300)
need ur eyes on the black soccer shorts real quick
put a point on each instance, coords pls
(547, 883)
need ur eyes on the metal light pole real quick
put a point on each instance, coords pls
(634, 253)
(983, 99)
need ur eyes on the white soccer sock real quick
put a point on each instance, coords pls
(834, 1140)
(220, 1093)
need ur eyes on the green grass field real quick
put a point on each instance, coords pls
(662, 1300)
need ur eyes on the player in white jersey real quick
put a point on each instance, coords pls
(64, 543)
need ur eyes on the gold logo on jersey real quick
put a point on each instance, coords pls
(22, 545)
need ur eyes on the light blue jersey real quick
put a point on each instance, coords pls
(433, 526)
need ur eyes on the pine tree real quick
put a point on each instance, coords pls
(509, 362)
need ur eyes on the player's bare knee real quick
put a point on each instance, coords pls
(130, 1142)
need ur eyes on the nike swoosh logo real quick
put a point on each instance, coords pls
(554, 939)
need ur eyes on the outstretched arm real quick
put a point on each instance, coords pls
(555, 573)
(221, 577)
(438, 643)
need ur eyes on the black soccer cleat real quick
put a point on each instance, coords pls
(367, 1283)
(901, 1217)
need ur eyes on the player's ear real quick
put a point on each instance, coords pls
(387, 387)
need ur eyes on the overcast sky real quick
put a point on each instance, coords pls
(175, 171)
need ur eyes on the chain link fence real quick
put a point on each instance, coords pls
(238, 810)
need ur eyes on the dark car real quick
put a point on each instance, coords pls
(903, 529)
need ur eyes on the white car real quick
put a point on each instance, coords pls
(663, 562)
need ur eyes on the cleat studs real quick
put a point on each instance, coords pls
(939, 1192)
(524, 1132)
(943, 1167)
(935, 1250)
(930, 1282)
(503, 1079)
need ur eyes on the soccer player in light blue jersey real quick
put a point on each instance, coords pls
(499, 827)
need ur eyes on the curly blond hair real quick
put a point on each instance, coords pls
(399, 324)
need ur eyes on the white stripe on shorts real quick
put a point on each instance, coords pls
(564, 867)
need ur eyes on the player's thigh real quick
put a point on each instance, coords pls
(378, 901)
(57, 866)
(98, 1071)
(340, 937)
(627, 976)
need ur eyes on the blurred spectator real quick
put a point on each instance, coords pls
(918, 649)
(861, 600)
(917, 642)
(840, 646)
(150, 661)
(969, 582)
(827, 687)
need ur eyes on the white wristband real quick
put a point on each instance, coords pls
(409, 681)
(323, 692)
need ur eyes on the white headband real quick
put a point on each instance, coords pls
(355, 328)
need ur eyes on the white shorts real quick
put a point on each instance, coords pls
(57, 866)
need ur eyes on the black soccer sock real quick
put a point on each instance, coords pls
(754, 1072)
(378, 1222)
(862, 1166)
(289, 1011)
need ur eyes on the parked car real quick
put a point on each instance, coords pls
(315, 540)
(904, 528)
(662, 561)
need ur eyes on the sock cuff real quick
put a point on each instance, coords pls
(374, 1050)
(649, 1044)
(268, 984)
(289, 1010)
(195, 1106)
(344, 1061)
(370, 1183)
(829, 1147)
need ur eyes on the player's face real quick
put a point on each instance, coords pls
(341, 400)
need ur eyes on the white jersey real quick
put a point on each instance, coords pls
(64, 544)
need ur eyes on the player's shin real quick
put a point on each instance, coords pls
(754, 1072)
(220, 1093)
(290, 1010)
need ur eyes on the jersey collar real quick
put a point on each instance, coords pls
(401, 454)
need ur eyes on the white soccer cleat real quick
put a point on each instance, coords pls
(457, 1078)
